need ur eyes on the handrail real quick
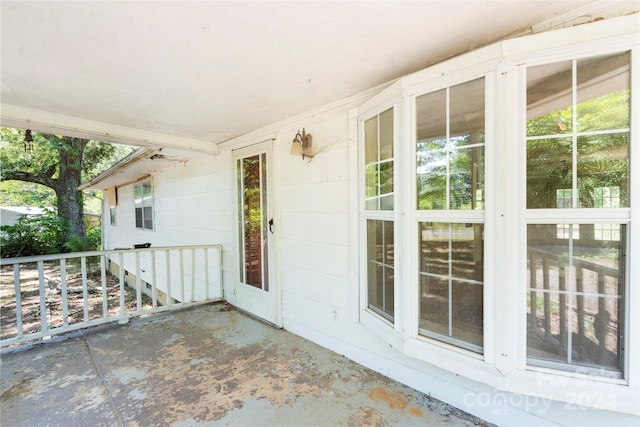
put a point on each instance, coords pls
(53, 306)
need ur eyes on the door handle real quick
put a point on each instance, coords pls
(271, 225)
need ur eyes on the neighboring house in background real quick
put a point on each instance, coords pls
(9, 215)
(469, 229)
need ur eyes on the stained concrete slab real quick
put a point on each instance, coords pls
(206, 366)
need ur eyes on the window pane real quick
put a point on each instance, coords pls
(466, 317)
(434, 304)
(386, 178)
(139, 222)
(380, 271)
(575, 295)
(451, 288)
(467, 260)
(432, 180)
(371, 140)
(603, 170)
(137, 195)
(466, 112)
(386, 135)
(548, 169)
(466, 178)
(434, 248)
(549, 106)
(148, 218)
(431, 122)
(603, 93)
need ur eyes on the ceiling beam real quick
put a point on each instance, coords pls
(42, 121)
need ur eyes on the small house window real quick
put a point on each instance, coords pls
(112, 215)
(143, 199)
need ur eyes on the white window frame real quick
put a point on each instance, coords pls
(150, 203)
(503, 364)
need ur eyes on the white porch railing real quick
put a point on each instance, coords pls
(49, 295)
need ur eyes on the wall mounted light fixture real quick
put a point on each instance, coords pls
(28, 141)
(301, 145)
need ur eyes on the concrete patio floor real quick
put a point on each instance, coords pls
(209, 365)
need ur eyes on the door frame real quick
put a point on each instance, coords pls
(257, 302)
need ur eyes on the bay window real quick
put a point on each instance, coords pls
(498, 216)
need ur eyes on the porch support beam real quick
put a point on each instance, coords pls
(43, 121)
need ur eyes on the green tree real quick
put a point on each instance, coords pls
(59, 163)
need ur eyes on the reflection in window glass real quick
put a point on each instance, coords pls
(594, 130)
(379, 164)
(380, 267)
(451, 283)
(450, 148)
(575, 297)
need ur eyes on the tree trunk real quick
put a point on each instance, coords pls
(70, 204)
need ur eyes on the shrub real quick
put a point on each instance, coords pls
(34, 235)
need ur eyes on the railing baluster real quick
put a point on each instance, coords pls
(546, 297)
(563, 308)
(154, 296)
(121, 279)
(64, 293)
(103, 279)
(193, 274)
(16, 283)
(138, 284)
(580, 298)
(167, 255)
(181, 275)
(533, 297)
(43, 294)
(85, 291)
(206, 272)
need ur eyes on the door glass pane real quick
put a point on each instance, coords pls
(252, 215)
(265, 222)
(576, 294)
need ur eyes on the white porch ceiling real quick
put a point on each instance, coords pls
(193, 74)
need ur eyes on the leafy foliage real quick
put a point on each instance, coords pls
(34, 235)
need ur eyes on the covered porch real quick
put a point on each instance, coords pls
(206, 365)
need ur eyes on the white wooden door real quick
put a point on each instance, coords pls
(256, 290)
